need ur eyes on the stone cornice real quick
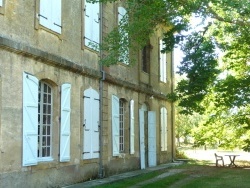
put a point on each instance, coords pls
(57, 61)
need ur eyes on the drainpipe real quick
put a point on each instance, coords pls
(101, 169)
(172, 106)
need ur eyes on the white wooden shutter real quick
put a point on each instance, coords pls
(95, 124)
(65, 123)
(87, 125)
(92, 24)
(96, 23)
(115, 125)
(165, 125)
(91, 124)
(142, 139)
(132, 128)
(151, 138)
(45, 13)
(162, 130)
(1, 2)
(30, 119)
(56, 14)
(163, 65)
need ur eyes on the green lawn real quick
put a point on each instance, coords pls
(192, 176)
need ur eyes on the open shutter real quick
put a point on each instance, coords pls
(165, 115)
(65, 123)
(30, 119)
(151, 138)
(132, 127)
(87, 125)
(95, 124)
(162, 131)
(142, 139)
(163, 65)
(45, 13)
(115, 125)
(56, 14)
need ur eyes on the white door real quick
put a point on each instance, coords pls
(151, 139)
(142, 138)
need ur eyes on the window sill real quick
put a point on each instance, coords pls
(45, 159)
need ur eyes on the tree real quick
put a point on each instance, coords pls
(225, 28)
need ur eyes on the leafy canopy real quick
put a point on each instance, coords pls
(216, 54)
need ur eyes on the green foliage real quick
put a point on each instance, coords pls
(212, 85)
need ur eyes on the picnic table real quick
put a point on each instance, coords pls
(232, 159)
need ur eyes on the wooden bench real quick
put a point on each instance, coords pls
(218, 158)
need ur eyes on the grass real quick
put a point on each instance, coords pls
(194, 175)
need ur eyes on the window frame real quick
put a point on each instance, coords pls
(41, 104)
(121, 125)
(145, 58)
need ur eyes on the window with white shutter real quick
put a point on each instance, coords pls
(163, 129)
(115, 125)
(65, 123)
(30, 116)
(50, 15)
(1, 3)
(91, 25)
(163, 64)
(124, 50)
(132, 128)
(91, 124)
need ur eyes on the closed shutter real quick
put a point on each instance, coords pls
(56, 16)
(91, 24)
(95, 124)
(45, 13)
(115, 125)
(132, 127)
(30, 119)
(65, 123)
(162, 131)
(96, 22)
(87, 124)
(91, 124)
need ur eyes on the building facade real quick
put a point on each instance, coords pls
(63, 117)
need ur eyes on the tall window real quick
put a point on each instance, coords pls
(44, 120)
(163, 64)
(124, 42)
(121, 125)
(50, 15)
(91, 25)
(1, 3)
(146, 58)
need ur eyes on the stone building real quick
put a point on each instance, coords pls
(63, 117)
